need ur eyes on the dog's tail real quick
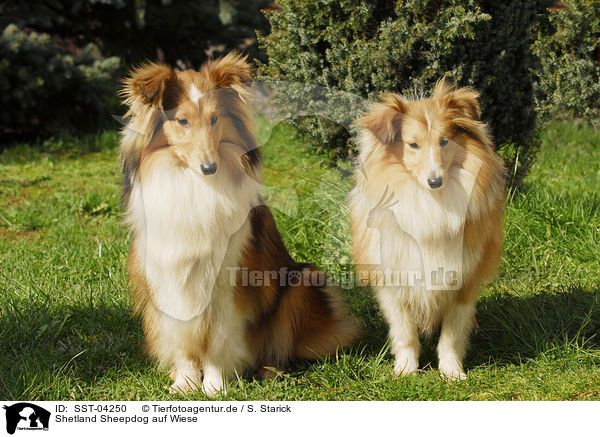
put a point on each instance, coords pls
(296, 316)
(308, 322)
(323, 324)
(315, 318)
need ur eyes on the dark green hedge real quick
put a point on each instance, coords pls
(177, 32)
(568, 48)
(44, 88)
(59, 58)
(370, 46)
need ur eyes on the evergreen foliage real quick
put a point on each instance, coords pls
(44, 88)
(568, 76)
(61, 60)
(368, 47)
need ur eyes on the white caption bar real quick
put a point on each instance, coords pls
(23, 418)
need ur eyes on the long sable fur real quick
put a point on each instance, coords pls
(418, 216)
(283, 321)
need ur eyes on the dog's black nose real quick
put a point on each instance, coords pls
(209, 168)
(435, 182)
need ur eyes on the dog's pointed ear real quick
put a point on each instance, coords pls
(464, 100)
(384, 120)
(232, 70)
(148, 83)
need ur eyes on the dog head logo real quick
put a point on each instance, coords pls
(26, 416)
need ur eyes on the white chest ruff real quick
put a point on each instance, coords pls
(420, 242)
(421, 237)
(188, 231)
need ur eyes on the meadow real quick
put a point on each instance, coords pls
(67, 331)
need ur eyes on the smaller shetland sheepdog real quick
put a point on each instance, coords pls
(218, 291)
(426, 218)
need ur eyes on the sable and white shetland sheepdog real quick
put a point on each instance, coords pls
(192, 197)
(426, 218)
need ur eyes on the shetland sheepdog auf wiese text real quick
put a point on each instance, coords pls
(426, 218)
(193, 204)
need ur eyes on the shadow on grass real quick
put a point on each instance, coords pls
(511, 329)
(76, 345)
(79, 345)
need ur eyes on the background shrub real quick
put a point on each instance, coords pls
(43, 88)
(370, 46)
(568, 75)
(136, 30)
(59, 66)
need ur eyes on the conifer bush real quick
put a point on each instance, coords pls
(44, 89)
(59, 59)
(367, 47)
(567, 46)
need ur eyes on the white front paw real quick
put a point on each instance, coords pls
(213, 386)
(452, 370)
(186, 377)
(183, 385)
(406, 363)
(214, 380)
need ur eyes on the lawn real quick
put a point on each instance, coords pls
(67, 331)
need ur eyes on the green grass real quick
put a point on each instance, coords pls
(67, 332)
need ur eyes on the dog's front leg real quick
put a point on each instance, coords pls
(215, 379)
(404, 335)
(221, 365)
(174, 343)
(227, 353)
(456, 327)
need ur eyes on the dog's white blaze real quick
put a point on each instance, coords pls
(195, 94)
(428, 122)
(435, 170)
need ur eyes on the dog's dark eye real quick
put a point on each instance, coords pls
(183, 122)
(413, 145)
(214, 119)
(443, 141)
